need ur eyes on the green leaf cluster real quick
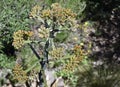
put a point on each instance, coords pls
(6, 62)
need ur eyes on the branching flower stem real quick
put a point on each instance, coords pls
(42, 77)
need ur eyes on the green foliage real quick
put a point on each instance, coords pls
(6, 62)
(14, 16)
(30, 62)
(49, 2)
(70, 78)
(61, 37)
(26, 67)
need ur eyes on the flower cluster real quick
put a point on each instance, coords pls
(36, 10)
(19, 73)
(20, 37)
(78, 51)
(46, 13)
(61, 14)
(57, 13)
(43, 32)
(73, 63)
(57, 53)
(76, 59)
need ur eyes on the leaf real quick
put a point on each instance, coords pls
(61, 37)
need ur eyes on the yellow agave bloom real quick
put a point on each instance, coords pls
(78, 56)
(55, 5)
(35, 12)
(19, 73)
(20, 37)
(57, 53)
(45, 13)
(43, 32)
(72, 64)
(60, 14)
(79, 53)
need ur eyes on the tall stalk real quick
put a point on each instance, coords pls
(42, 76)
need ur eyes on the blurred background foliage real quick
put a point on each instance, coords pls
(106, 14)
(100, 9)
(103, 75)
